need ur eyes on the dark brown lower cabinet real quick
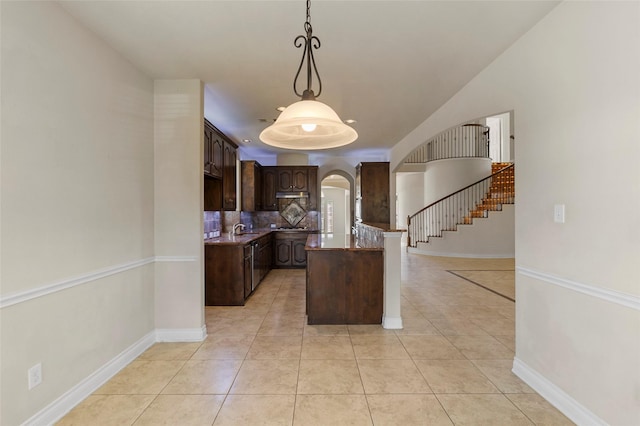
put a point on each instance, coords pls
(225, 274)
(289, 251)
(344, 286)
(248, 278)
(262, 257)
(230, 268)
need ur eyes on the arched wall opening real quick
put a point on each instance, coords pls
(337, 192)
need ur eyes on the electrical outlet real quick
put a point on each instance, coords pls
(35, 375)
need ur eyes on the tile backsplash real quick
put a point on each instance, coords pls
(264, 219)
(212, 221)
(223, 221)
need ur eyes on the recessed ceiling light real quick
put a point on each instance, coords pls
(246, 140)
(281, 109)
(350, 121)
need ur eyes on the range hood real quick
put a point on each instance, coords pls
(300, 194)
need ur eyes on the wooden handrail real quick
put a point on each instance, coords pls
(449, 211)
(458, 191)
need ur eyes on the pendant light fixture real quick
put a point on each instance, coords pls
(308, 124)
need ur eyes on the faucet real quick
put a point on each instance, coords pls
(236, 226)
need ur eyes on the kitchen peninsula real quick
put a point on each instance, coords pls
(345, 278)
(355, 280)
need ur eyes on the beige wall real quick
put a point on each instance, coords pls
(490, 237)
(573, 83)
(179, 296)
(444, 177)
(77, 205)
(410, 198)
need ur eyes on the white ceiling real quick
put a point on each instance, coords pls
(386, 64)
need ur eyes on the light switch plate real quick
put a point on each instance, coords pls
(558, 213)
(34, 376)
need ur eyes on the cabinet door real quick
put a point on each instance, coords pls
(364, 289)
(207, 150)
(247, 276)
(312, 179)
(216, 156)
(265, 259)
(268, 257)
(269, 188)
(375, 195)
(299, 257)
(251, 186)
(326, 303)
(282, 253)
(299, 179)
(285, 180)
(224, 281)
(212, 194)
(229, 177)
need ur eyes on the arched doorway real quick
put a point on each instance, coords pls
(336, 214)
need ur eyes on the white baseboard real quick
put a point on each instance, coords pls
(181, 334)
(556, 396)
(414, 250)
(392, 323)
(74, 396)
(61, 406)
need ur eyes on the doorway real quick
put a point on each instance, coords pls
(335, 216)
(499, 131)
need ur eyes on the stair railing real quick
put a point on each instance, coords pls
(468, 140)
(455, 209)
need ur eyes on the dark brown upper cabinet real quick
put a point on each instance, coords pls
(289, 179)
(293, 179)
(220, 155)
(373, 193)
(229, 176)
(213, 148)
(269, 188)
(251, 182)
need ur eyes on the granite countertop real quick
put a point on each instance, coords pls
(249, 236)
(238, 239)
(336, 242)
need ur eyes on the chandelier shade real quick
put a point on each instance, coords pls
(308, 125)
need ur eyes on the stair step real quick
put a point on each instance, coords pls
(501, 191)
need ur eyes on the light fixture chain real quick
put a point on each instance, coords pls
(309, 42)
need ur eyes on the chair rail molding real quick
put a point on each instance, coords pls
(45, 290)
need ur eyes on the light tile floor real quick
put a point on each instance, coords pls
(262, 365)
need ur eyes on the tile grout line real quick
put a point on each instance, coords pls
(478, 284)
(243, 362)
(168, 381)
